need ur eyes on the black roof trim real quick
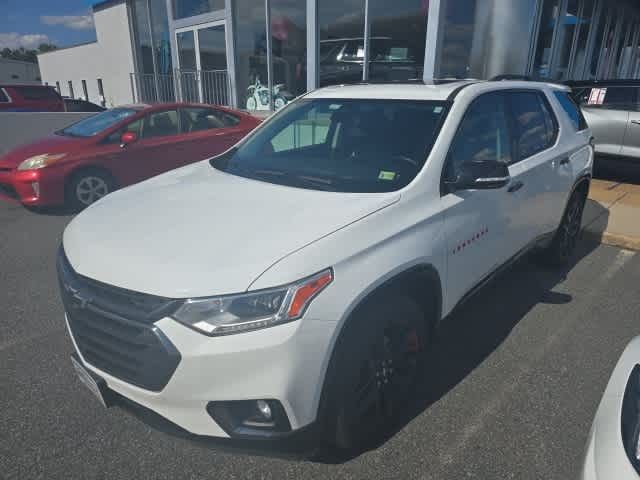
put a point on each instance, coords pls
(458, 89)
(603, 83)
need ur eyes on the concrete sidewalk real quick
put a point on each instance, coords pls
(612, 213)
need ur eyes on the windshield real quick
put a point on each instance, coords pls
(340, 145)
(97, 123)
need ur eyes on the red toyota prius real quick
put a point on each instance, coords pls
(82, 163)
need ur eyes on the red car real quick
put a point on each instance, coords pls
(83, 162)
(30, 98)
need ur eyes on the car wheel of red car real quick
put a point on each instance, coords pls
(87, 187)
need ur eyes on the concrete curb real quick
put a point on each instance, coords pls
(613, 239)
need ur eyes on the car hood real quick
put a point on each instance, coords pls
(50, 144)
(197, 231)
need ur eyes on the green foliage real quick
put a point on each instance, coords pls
(25, 55)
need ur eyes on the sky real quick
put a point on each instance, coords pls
(28, 23)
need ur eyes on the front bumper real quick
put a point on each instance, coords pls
(285, 363)
(33, 187)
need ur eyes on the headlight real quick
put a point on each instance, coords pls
(229, 314)
(631, 418)
(40, 161)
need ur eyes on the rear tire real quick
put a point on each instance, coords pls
(379, 358)
(86, 187)
(566, 236)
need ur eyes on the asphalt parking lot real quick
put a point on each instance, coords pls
(513, 384)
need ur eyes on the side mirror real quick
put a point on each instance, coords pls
(126, 138)
(482, 175)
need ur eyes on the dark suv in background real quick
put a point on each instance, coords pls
(30, 98)
(612, 110)
(341, 60)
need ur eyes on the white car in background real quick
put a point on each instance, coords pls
(291, 286)
(613, 448)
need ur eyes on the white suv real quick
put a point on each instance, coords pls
(291, 285)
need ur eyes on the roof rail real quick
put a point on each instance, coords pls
(509, 76)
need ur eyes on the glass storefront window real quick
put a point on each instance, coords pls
(584, 25)
(289, 47)
(485, 38)
(153, 45)
(597, 47)
(143, 36)
(548, 21)
(624, 53)
(251, 54)
(161, 41)
(397, 40)
(189, 8)
(341, 28)
(607, 45)
(566, 31)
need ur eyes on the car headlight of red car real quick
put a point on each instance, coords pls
(40, 161)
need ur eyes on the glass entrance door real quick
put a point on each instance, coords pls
(202, 56)
(213, 64)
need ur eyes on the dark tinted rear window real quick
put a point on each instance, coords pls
(37, 93)
(615, 98)
(535, 125)
(572, 110)
(3, 96)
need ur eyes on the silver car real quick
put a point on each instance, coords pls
(612, 110)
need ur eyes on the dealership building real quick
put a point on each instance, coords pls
(258, 54)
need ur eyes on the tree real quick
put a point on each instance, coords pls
(25, 55)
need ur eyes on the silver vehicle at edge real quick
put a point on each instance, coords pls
(612, 110)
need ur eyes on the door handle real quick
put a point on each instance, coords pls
(515, 186)
(565, 161)
(635, 122)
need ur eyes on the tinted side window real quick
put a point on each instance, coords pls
(569, 106)
(482, 135)
(613, 98)
(534, 127)
(197, 119)
(3, 96)
(37, 93)
(160, 124)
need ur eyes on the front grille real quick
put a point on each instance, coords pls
(113, 329)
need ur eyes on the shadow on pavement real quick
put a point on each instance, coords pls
(58, 211)
(617, 169)
(465, 339)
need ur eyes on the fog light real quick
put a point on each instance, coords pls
(250, 418)
(36, 188)
(264, 409)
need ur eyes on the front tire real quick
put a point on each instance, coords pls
(566, 236)
(87, 187)
(379, 359)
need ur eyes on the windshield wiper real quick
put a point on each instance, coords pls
(319, 182)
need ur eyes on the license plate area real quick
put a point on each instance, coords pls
(93, 382)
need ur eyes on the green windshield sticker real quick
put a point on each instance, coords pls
(384, 175)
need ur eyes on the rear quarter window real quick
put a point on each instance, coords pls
(3, 96)
(534, 124)
(608, 97)
(573, 111)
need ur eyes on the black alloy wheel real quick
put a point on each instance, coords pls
(380, 362)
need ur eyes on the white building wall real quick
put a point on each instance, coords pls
(15, 71)
(110, 58)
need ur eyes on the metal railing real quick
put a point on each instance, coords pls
(205, 86)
